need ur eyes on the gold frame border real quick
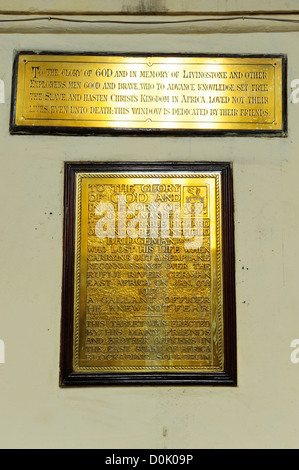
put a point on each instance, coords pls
(220, 326)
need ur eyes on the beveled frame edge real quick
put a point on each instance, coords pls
(226, 378)
(15, 129)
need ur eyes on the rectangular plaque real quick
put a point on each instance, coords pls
(92, 94)
(148, 288)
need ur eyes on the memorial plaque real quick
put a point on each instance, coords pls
(148, 288)
(92, 94)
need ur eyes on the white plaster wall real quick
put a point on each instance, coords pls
(263, 411)
(146, 6)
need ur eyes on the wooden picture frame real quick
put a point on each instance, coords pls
(225, 374)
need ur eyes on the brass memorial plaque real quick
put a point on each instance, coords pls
(89, 94)
(148, 266)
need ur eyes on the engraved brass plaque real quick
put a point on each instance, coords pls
(93, 94)
(148, 287)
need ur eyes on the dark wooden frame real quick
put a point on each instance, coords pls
(93, 131)
(226, 378)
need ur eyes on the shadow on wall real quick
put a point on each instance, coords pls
(153, 7)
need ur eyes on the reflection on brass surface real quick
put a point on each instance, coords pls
(117, 92)
(148, 286)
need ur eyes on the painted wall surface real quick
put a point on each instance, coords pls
(147, 6)
(263, 411)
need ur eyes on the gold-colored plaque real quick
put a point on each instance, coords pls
(91, 93)
(148, 272)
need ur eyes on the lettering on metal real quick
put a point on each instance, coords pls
(149, 263)
(94, 94)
